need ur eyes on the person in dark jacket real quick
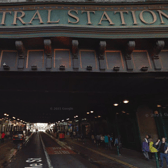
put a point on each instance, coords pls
(163, 149)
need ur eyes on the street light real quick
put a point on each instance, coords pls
(88, 113)
(99, 116)
(18, 119)
(13, 117)
(76, 116)
(5, 114)
(91, 111)
(67, 119)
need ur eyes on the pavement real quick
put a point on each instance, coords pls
(44, 151)
(8, 150)
(106, 157)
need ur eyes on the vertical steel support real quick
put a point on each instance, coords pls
(139, 135)
(157, 160)
(117, 126)
(162, 121)
(117, 135)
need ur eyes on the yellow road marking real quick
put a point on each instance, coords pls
(109, 157)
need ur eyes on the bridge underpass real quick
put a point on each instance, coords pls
(52, 97)
(49, 98)
(37, 97)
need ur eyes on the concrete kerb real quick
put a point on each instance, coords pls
(102, 154)
(14, 151)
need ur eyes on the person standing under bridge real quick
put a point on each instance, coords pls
(2, 137)
(117, 142)
(145, 148)
(163, 149)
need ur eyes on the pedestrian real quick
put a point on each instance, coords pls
(156, 145)
(8, 134)
(98, 139)
(2, 137)
(74, 134)
(101, 140)
(112, 140)
(152, 149)
(106, 141)
(117, 142)
(147, 138)
(109, 142)
(92, 138)
(145, 148)
(163, 149)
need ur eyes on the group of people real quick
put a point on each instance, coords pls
(107, 141)
(160, 147)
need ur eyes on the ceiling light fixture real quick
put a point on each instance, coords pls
(125, 101)
(115, 104)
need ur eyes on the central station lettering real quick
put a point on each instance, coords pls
(73, 17)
